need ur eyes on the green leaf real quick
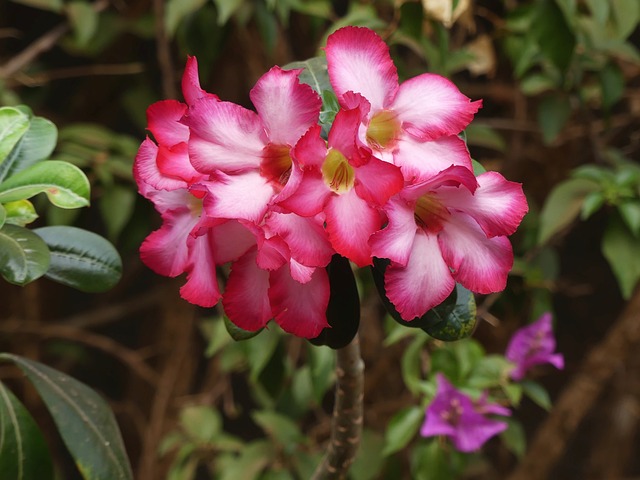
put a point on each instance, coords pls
(116, 206)
(65, 185)
(514, 437)
(84, 420)
(622, 251)
(453, 319)
(491, 371)
(432, 461)
(612, 84)
(411, 364)
(81, 259)
(321, 362)
(599, 10)
(485, 136)
(201, 422)
(3, 215)
(35, 145)
(20, 213)
(536, 393)
(552, 33)
(343, 310)
(314, 73)
(13, 125)
(626, 14)
(402, 427)
(280, 428)
(251, 461)
(591, 204)
(51, 5)
(23, 451)
(259, 350)
(563, 205)
(237, 333)
(369, 461)
(84, 21)
(630, 213)
(23, 255)
(553, 113)
(177, 10)
(226, 9)
(536, 83)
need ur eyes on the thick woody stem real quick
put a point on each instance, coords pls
(346, 426)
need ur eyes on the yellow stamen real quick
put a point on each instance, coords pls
(383, 130)
(337, 173)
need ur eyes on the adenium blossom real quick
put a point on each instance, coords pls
(457, 416)
(447, 229)
(414, 124)
(533, 345)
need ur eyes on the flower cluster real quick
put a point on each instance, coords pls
(265, 191)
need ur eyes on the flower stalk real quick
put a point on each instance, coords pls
(346, 425)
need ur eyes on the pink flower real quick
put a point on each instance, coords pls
(345, 182)
(533, 345)
(447, 229)
(455, 415)
(413, 125)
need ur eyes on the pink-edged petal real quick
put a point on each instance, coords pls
(350, 223)
(287, 107)
(430, 106)
(454, 176)
(224, 136)
(359, 61)
(243, 196)
(163, 119)
(230, 240)
(299, 272)
(191, 83)
(298, 308)
(311, 149)
(479, 263)
(498, 205)
(165, 251)
(378, 181)
(423, 159)
(306, 238)
(310, 196)
(201, 287)
(344, 132)
(423, 283)
(147, 174)
(246, 299)
(273, 253)
(395, 241)
(173, 162)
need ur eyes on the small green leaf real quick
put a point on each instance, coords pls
(491, 371)
(20, 213)
(13, 125)
(432, 461)
(536, 393)
(626, 14)
(622, 251)
(563, 205)
(591, 204)
(314, 73)
(630, 212)
(485, 136)
(23, 255)
(553, 113)
(251, 461)
(51, 5)
(65, 185)
(514, 437)
(84, 420)
(280, 428)
(536, 83)
(369, 461)
(81, 259)
(23, 451)
(201, 422)
(612, 84)
(453, 319)
(3, 215)
(599, 10)
(237, 333)
(116, 206)
(177, 10)
(402, 427)
(226, 9)
(553, 34)
(35, 145)
(84, 21)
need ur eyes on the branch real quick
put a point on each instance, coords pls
(346, 426)
(578, 398)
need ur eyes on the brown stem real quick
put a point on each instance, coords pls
(346, 426)
(579, 396)
(164, 52)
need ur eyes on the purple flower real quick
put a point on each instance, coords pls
(533, 345)
(455, 415)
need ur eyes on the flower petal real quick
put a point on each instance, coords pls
(423, 159)
(202, 283)
(479, 263)
(173, 162)
(424, 283)
(430, 106)
(243, 196)
(306, 238)
(224, 136)
(309, 198)
(287, 107)
(358, 61)
(231, 240)
(395, 241)
(498, 205)
(147, 174)
(191, 83)
(165, 250)
(163, 119)
(300, 309)
(378, 181)
(246, 299)
(474, 430)
(350, 223)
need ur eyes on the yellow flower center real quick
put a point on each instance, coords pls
(337, 173)
(276, 163)
(430, 213)
(383, 130)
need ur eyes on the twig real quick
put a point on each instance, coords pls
(84, 71)
(346, 427)
(164, 52)
(577, 399)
